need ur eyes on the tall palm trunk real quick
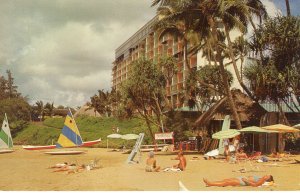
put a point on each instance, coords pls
(288, 9)
(255, 32)
(282, 117)
(224, 75)
(237, 73)
(229, 95)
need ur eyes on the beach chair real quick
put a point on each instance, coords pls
(213, 144)
(255, 155)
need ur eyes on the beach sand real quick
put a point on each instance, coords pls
(28, 170)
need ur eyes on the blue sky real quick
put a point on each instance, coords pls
(294, 5)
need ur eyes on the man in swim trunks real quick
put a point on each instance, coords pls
(182, 161)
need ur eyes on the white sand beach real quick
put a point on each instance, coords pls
(28, 170)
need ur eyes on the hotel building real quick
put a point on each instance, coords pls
(145, 43)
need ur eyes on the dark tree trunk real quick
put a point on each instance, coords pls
(288, 9)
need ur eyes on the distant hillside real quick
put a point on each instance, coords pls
(91, 128)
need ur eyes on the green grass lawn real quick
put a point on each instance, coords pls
(91, 128)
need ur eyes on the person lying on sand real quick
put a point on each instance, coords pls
(151, 163)
(71, 168)
(242, 181)
(60, 165)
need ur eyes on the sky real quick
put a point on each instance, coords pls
(62, 51)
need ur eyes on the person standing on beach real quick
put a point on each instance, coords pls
(236, 143)
(199, 141)
(151, 163)
(226, 149)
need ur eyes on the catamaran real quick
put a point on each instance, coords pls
(6, 142)
(69, 137)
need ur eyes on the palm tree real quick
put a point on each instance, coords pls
(204, 19)
(288, 9)
(233, 14)
(49, 108)
(40, 107)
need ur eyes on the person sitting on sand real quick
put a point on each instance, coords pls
(240, 154)
(177, 167)
(242, 181)
(182, 161)
(151, 163)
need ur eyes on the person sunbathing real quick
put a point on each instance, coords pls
(151, 163)
(70, 168)
(241, 181)
(60, 165)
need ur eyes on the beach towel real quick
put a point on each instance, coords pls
(172, 170)
(216, 152)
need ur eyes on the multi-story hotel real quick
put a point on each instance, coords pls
(145, 43)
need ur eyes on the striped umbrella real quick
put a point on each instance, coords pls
(226, 134)
(281, 128)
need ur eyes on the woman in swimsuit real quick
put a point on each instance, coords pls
(241, 181)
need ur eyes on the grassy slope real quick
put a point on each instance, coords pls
(90, 128)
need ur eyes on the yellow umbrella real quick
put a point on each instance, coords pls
(255, 129)
(297, 126)
(281, 128)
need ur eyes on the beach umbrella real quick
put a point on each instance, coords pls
(297, 126)
(113, 136)
(225, 134)
(255, 129)
(281, 128)
(130, 136)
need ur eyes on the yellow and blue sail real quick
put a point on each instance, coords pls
(5, 136)
(70, 136)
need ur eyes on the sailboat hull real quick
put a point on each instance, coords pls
(64, 152)
(90, 143)
(33, 147)
(85, 144)
(6, 151)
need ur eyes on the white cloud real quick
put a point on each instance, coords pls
(62, 51)
(272, 10)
